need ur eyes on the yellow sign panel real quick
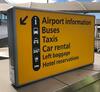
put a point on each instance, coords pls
(45, 43)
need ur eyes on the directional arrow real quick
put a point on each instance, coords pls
(22, 20)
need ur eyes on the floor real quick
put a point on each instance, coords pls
(94, 87)
(52, 84)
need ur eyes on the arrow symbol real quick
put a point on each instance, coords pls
(22, 20)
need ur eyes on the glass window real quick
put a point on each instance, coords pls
(3, 19)
(0, 16)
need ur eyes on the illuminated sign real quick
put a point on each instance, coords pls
(45, 43)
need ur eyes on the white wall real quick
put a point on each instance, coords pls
(3, 31)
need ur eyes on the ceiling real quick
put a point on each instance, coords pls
(66, 7)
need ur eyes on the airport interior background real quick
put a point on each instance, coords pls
(84, 79)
